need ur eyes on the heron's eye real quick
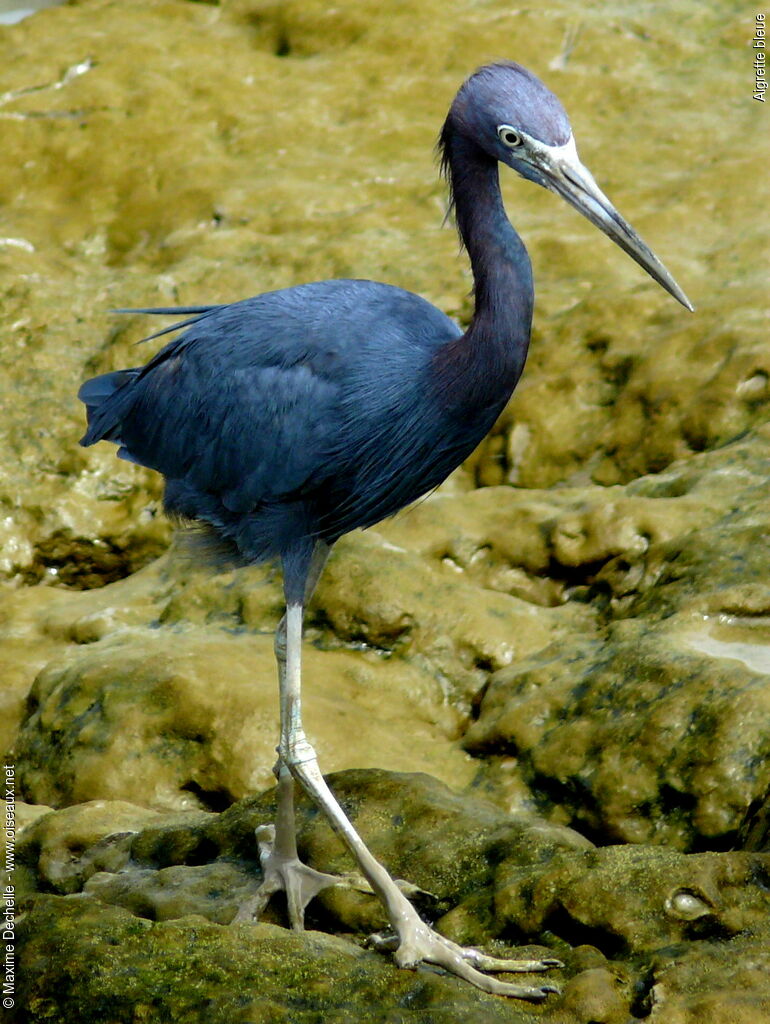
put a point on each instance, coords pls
(509, 136)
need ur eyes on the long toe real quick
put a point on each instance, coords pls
(459, 961)
(493, 963)
(417, 943)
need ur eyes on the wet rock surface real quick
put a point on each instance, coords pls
(627, 921)
(583, 657)
(189, 968)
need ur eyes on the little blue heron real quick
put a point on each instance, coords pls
(283, 421)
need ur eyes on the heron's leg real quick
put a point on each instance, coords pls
(415, 941)
(282, 870)
(318, 559)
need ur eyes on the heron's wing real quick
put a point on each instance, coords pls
(246, 432)
(274, 397)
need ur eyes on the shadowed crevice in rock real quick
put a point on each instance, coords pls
(85, 564)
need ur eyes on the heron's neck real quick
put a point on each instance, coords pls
(502, 274)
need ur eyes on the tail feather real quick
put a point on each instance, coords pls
(195, 314)
(96, 390)
(107, 400)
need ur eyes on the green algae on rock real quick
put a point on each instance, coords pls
(634, 898)
(606, 640)
(165, 868)
(712, 982)
(653, 728)
(429, 835)
(146, 715)
(161, 886)
(192, 970)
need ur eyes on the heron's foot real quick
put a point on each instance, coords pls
(286, 873)
(416, 943)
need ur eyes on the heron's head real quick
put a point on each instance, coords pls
(507, 112)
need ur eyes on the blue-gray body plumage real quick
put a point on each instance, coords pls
(300, 413)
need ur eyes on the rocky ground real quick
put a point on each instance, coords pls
(544, 693)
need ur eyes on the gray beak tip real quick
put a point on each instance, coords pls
(680, 297)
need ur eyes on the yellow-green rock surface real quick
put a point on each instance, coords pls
(573, 632)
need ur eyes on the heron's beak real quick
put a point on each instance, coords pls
(565, 175)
